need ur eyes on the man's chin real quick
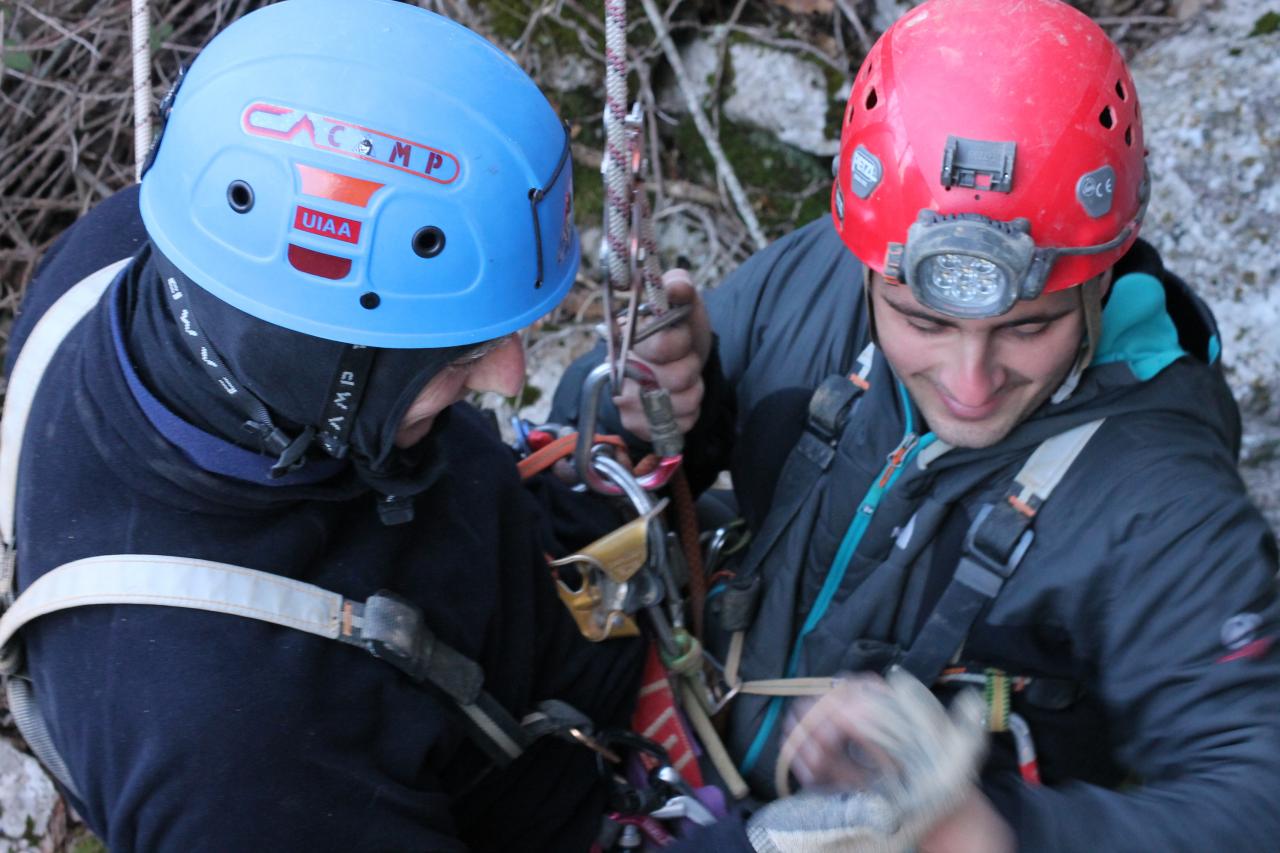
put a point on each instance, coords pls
(974, 434)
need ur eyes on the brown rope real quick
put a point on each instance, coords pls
(686, 525)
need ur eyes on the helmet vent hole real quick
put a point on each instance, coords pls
(1120, 92)
(1128, 136)
(428, 242)
(240, 196)
(1107, 117)
(872, 99)
(370, 300)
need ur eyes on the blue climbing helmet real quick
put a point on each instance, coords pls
(366, 172)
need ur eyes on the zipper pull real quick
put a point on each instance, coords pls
(895, 458)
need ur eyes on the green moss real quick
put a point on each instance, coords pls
(18, 60)
(786, 185)
(160, 33)
(507, 20)
(588, 195)
(87, 844)
(529, 395)
(1266, 25)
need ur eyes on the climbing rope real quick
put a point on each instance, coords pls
(140, 37)
(630, 249)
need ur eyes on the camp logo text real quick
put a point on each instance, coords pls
(322, 133)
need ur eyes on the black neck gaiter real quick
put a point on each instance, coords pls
(289, 372)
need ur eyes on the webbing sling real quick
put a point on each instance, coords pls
(385, 625)
(24, 380)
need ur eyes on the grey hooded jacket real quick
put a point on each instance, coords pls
(1145, 609)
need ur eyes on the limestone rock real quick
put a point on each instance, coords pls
(1209, 98)
(28, 801)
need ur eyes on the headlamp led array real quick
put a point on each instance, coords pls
(971, 266)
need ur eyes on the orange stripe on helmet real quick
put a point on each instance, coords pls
(336, 187)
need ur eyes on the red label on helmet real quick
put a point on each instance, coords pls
(322, 133)
(326, 225)
(335, 186)
(318, 263)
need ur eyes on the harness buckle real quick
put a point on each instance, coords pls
(996, 542)
(394, 629)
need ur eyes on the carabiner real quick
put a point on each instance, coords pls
(661, 423)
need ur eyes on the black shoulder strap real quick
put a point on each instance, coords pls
(812, 455)
(996, 542)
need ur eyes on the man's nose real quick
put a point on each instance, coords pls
(500, 371)
(973, 374)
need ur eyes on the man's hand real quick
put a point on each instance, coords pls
(677, 355)
(886, 768)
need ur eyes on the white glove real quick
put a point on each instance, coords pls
(923, 764)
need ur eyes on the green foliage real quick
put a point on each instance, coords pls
(1266, 25)
(588, 195)
(160, 34)
(787, 186)
(18, 60)
(87, 844)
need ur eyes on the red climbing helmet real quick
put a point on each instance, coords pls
(990, 152)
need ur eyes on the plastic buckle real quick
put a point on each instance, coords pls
(986, 570)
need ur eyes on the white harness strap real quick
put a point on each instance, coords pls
(386, 626)
(180, 582)
(1051, 461)
(28, 370)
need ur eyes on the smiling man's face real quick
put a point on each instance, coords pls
(975, 380)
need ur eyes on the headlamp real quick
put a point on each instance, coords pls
(969, 266)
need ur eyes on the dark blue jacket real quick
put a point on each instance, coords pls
(1162, 727)
(186, 730)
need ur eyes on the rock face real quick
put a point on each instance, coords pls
(774, 90)
(27, 800)
(1210, 98)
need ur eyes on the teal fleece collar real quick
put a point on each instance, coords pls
(1136, 327)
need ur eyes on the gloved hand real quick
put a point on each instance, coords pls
(903, 763)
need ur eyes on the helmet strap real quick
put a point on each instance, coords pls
(1091, 295)
(870, 307)
(345, 393)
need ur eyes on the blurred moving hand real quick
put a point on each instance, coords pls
(886, 769)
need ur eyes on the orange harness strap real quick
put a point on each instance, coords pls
(561, 448)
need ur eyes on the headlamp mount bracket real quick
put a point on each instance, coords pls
(978, 164)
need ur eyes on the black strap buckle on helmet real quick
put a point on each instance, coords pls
(165, 108)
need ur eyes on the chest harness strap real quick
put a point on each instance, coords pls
(387, 626)
(994, 546)
(829, 409)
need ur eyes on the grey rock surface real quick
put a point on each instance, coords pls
(1210, 98)
(27, 800)
(775, 90)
